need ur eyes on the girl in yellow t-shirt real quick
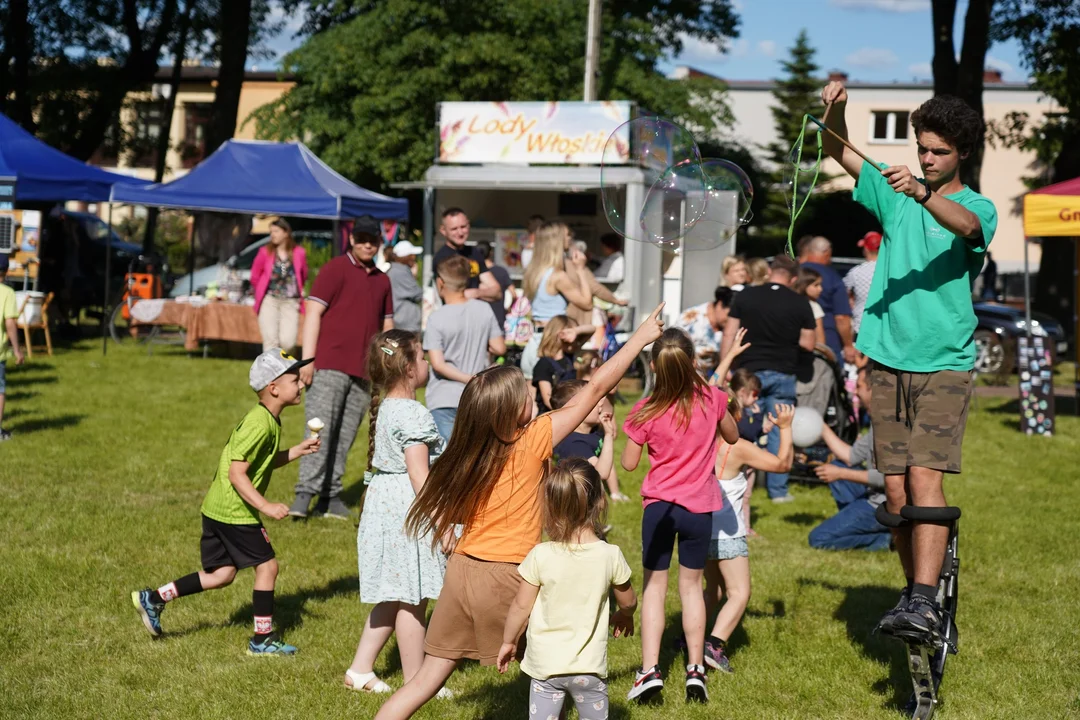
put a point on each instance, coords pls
(564, 598)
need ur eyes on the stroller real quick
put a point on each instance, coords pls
(827, 393)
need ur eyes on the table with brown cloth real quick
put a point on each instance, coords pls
(216, 320)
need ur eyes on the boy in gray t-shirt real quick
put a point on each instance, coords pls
(459, 339)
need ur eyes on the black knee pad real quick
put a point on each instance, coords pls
(889, 519)
(935, 515)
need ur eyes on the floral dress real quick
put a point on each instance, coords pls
(393, 566)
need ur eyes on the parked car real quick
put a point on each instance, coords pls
(998, 324)
(241, 262)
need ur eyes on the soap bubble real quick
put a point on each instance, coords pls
(720, 200)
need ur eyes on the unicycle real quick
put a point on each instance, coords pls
(927, 657)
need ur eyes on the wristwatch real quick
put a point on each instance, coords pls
(926, 197)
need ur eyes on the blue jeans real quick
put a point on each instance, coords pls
(852, 528)
(776, 388)
(444, 421)
(845, 492)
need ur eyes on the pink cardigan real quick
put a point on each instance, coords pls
(262, 268)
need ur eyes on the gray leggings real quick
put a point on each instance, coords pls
(588, 691)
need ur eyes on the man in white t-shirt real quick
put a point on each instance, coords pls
(857, 281)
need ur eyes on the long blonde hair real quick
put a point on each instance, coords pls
(678, 382)
(549, 251)
(390, 356)
(550, 344)
(573, 499)
(462, 478)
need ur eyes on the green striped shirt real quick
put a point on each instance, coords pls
(255, 441)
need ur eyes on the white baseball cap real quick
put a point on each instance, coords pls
(406, 248)
(271, 365)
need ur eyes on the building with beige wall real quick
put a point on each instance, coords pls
(878, 124)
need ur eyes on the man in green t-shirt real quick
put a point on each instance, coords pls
(919, 327)
(9, 314)
(233, 537)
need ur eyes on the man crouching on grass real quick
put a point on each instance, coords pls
(233, 537)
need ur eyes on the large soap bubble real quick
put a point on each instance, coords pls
(718, 193)
(654, 146)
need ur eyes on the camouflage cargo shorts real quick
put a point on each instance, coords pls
(918, 418)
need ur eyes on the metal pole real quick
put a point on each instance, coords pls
(1027, 291)
(191, 259)
(106, 316)
(592, 51)
(429, 236)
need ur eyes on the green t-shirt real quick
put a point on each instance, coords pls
(255, 440)
(918, 315)
(9, 310)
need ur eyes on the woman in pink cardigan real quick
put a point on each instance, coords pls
(278, 274)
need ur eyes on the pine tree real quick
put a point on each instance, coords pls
(797, 94)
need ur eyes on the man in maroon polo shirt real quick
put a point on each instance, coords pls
(349, 304)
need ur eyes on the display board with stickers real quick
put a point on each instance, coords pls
(1035, 363)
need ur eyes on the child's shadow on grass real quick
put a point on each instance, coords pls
(860, 610)
(47, 423)
(803, 518)
(290, 608)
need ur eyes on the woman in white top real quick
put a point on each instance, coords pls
(549, 288)
(808, 284)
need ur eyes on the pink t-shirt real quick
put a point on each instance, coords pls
(682, 459)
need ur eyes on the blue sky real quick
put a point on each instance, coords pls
(871, 40)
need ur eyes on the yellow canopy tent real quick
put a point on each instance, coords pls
(1054, 211)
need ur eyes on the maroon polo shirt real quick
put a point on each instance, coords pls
(357, 301)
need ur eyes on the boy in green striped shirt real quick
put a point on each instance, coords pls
(233, 536)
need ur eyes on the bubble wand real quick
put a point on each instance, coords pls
(796, 151)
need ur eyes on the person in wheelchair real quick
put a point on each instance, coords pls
(857, 487)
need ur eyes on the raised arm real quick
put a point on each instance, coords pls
(952, 216)
(575, 290)
(835, 94)
(837, 447)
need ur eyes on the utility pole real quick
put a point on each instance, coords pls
(592, 51)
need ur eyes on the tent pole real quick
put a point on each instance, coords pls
(191, 259)
(1027, 291)
(106, 316)
(337, 238)
(429, 235)
(1076, 323)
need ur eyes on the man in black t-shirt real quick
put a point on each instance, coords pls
(502, 276)
(778, 323)
(455, 228)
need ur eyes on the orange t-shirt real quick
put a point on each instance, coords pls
(509, 525)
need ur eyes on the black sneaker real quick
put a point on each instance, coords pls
(5, 435)
(885, 624)
(647, 685)
(920, 621)
(695, 684)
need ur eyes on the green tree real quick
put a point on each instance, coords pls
(370, 77)
(797, 94)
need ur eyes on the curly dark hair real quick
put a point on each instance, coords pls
(952, 119)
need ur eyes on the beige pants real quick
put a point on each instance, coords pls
(278, 322)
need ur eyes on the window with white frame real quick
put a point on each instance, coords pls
(889, 126)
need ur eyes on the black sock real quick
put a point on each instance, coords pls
(187, 585)
(716, 642)
(262, 605)
(927, 591)
(910, 583)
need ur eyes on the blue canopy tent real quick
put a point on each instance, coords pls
(44, 174)
(257, 177)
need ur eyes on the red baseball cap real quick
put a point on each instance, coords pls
(871, 241)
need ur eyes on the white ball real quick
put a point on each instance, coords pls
(806, 426)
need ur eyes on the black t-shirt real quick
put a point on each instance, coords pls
(774, 317)
(470, 253)
(750, 425)
(502, 276)
(554, 372)
(579, 445)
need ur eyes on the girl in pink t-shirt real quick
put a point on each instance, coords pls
(678, 423)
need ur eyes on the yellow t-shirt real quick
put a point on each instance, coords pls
(568, 626)
(9, 310)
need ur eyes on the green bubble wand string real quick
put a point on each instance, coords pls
(797, 207)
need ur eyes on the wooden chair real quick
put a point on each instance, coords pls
(42, 324)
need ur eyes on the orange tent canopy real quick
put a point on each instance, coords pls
(1053, 211)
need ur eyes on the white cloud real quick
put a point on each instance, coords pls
(698, 52)
(767, 47)
(993, 63)
(922, 70)
(898, 6)
(872, 58)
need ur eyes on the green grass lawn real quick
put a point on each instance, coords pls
(101, 490)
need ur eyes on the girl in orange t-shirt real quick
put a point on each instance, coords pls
(489, 480)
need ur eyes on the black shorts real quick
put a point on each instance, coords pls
(239, 546)
(661, 522)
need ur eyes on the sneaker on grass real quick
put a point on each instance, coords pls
(716, 658)
(149, 610)
(271, 646)
(885, 624)
(920, 621)
(695, 684)
(299, 508)
(337, 509)
(647, 685)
